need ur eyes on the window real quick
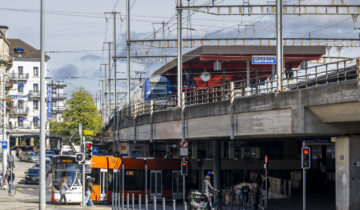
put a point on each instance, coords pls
(20, 70)
(36, 87)
(21, 87)
(20, 104)
(36, 122)
(21, 122)
(35, 104)
(134, 180)
(36, 71)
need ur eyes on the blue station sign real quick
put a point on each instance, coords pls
(263, 60)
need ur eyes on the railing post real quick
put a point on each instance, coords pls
(146, 202)
(133, 201)
(139, 201)
(154, 202)
(174, 204)
(122, 201)
(163, 203)
(185, 205)
(127, 201)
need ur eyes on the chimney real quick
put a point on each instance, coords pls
(3, 30)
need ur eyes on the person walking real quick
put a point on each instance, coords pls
(256, 196)
(244, 193)
(89, 188)
(63, 188)
(206, 187)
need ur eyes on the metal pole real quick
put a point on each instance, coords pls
(174, 204)
(4, 151)
(83, 167)
(127, 201)
(42, 178)
(179, 52)
(109, 77)
(104, 92)
(185, 205)
(133, 201)
(128, 43)
(247, 73)
(279, 44)
(139, 201)
(122, 201)
(304, 183)
(266, 186)
(163, 203)
(146, 202)
(154, 202)
(114, 62)
(183, 185)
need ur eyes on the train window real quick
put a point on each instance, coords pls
(167, 179)
(95, 174)
(134, 180)
(110, 179)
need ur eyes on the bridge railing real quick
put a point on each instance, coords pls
(328, 73)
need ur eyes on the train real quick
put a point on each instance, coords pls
(145, 176)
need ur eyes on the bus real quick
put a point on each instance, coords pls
(145, 176)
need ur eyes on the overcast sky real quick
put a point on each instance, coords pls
(78, 28)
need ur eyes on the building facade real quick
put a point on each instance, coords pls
(24, 116)
(55, 90)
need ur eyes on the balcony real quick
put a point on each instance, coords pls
(59, 96)
(24, 111)
(19, 77)
(34, 93)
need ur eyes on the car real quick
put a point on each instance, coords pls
(32, 176)
(47, 168)
(56, 151)
(29, 157)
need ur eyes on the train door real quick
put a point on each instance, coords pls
(103, 183)
(156, 183)
(177, 187)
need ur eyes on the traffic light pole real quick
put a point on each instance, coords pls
(304, 182)
(82, 166)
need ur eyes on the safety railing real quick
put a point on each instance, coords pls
(329, 73)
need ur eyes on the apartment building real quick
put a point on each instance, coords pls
(56, 105)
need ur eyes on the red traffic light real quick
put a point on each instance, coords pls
(184, 163)
(88, 145)
(306, 151)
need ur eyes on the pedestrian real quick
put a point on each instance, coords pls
(244, 192)
(256, 195)
(206, 187)
(63, 188)
(89, 188)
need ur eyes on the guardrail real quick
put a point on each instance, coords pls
(335, 72)
(14, 76)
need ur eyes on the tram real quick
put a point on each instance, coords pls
(145, 176)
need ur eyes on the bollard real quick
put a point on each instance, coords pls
(163, 203)
(154, 202)
(185, 205)
(174, 204)
(139, 201)
(146, 202)
(127, 201)
(122, 201)
(133, 201)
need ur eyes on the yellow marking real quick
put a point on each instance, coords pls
(20, 188)
(31, 189)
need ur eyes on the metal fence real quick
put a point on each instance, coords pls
(329, 73)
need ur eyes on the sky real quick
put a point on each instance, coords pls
(75, 31)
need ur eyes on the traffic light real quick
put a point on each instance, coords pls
(305, 158)
(88, 150)
(184, 168)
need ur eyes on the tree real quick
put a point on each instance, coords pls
(81, 108)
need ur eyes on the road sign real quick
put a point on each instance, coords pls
(88, 132)
(4, 144)
(263, 60)
(95, 151)
(184, 144)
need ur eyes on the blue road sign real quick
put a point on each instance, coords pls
(263, 60)
(4, 144)
(95, 151)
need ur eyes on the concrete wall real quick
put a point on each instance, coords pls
(270, 115)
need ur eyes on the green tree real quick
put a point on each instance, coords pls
(81, 108)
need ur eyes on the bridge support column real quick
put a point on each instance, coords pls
(217, 165)
(347, 170)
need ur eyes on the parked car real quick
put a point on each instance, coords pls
(29, 157)
(32, 176)
(50, 154)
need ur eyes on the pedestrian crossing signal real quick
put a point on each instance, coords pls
(184, 168)
(305, 158)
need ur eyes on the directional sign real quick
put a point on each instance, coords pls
(88, 132)
(95, 151)
(4, 144)
(263, 60)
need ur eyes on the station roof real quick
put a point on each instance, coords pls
(234, 60)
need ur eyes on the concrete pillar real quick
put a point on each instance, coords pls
(231, 150)
(194, 149)
(17, 142)
(32, 143)
(347, 171)
(217, 164)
